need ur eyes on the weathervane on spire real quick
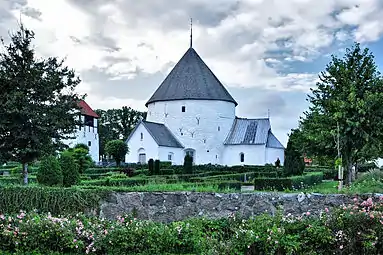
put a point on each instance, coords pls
(191, 33)
(268, 113)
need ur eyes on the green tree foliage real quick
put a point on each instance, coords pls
(151, 166)
(117, 149)
(38, 101)
(294, 162)
(82, 158)
(116, 124)
(70, 170)
(348, 96)
(188, 164)
(50, 173)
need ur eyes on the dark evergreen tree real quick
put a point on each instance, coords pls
(39, 107)
(294, 162)
(188, 164)
(157, 167)
(151, 166)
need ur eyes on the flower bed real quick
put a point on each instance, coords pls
(352, 229)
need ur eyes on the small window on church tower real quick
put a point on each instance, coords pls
(142, 136)
(242, 156)
(219, 128)
(89, 143)
(183, 108)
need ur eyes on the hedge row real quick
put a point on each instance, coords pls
(54, 200)
(12, 180)
(294, 182)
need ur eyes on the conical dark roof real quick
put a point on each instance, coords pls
(191, 78)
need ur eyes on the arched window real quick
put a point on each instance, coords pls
(142, 136)
(242, 157)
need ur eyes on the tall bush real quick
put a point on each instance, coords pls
(82, 158)
(294, 162)
(50, 173)
(151, 166)
(117, 149)
(188, 164)
(157, 166)
(70, 170)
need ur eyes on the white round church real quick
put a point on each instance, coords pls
(192, 113)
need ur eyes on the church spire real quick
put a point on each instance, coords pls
(191, 33)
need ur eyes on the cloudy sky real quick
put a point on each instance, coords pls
(267, 52)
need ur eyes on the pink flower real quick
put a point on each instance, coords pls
(74, 240)
(308, 213)
(326, 210)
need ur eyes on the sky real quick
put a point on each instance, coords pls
(267, 53)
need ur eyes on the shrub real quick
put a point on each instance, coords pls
(375, 174)
(70, 170)
(294, 163)
(367, 167)
(151, 166)
(157, 166)
(117, 149)
(278, 163)
(82, 158)
(294, 182)
(188, 164)
(50, 173)
(128, 171)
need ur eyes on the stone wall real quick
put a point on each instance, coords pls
(174, 206)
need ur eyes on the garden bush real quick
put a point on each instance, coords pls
(157, 167)
(351, 229)
(293, 182)
(50, 173)
(70, 170)
(188, 164)
(151, 166)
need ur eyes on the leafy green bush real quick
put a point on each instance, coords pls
(367, 167)
(70, 169)
(345, 230)
(375, 174)
(50, 173)
(117, 149)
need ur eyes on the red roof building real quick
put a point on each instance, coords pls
(86, 110)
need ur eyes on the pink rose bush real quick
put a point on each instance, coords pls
(355, 228)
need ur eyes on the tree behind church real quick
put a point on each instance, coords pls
(38, 103)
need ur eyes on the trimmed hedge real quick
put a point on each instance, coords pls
(47, 199)
(294, 182)
(12, 180)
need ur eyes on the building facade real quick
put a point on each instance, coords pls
(192, 113)
(87, 133)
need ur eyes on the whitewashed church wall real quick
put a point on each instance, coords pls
(253, 155)
(147, 145)
(177, 155)
(203, 126)
(89, 136)
(272, 154)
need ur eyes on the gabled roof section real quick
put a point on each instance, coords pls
(191, 78)
(160, 133)
(248, 132)
(273, 142)
(86, 110)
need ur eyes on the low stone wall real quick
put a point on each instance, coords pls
(174, 206)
